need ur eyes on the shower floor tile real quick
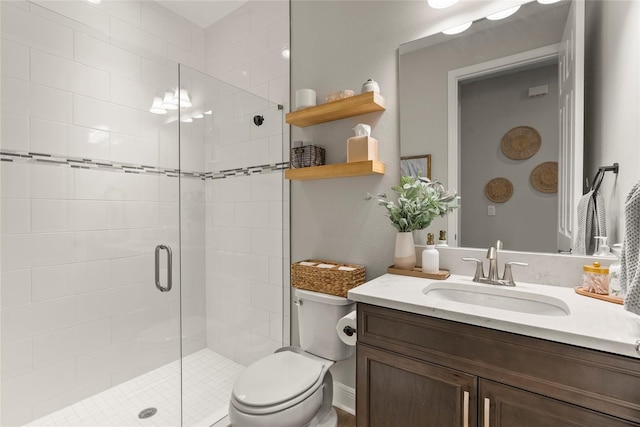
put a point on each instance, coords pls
(206, 385)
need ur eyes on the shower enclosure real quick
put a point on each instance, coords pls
(142, 253)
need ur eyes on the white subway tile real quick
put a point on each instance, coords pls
(107, 185)
(165, 24)
(268, 67)
(235, 239)
(54, 347)
(186, 57)
(15, 133)
(266, 242)
(131, 93)
(33, 30)
(128, 11)
(133, 35)
(34, 250)
(52, 182)
(38, 385)
(89, 143)
(69, 279)
(251, 46)
(60, 73)
(53, 314)
(279, 90)
(128, 149)
(239, 76)
(101, 55)
(98, 364)
(276, 326)
(50, 216)
(89, 215)
(17, 323)
(15, 60)
(16, 216)
(99, 245)
(252, 214)
(17, 358)
(252, 267)
(50, 104)
(236, 29)
(108, 303)
(141, 324)
(276, 271)
(106, 116)
(16, 287)
(262, 346)
(15, 96)
(251, 153)
(50, 137)
(15, 180)
(268, 12)
(279, 34)
(130, 270)
(266, 186)
(161, 77)
(276, 210)
(79, 11)
(266, 297)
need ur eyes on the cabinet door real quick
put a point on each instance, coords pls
(394, 390)
(504, 406)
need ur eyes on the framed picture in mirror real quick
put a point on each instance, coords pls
(416, 166)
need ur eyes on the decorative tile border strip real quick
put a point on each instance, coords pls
(82, 163)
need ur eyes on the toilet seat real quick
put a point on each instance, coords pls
(278, 381)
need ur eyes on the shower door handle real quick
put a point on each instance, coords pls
(169, 269)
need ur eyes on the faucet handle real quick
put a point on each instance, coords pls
(479, 268)
(499, 245)
(508, 275)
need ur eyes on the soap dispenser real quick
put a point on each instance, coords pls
(430, 257)
(442, 240)
(614, 273)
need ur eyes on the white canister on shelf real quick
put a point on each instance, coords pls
(370, 86)
(305, 98)
(430, 257)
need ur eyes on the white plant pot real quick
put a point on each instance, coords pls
(405, 253)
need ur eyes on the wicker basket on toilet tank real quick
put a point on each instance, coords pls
(329, 277)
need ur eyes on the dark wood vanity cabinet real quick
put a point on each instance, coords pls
(417, 370)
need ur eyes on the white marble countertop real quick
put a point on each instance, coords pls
(592, 323)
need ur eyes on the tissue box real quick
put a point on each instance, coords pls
(362, 148)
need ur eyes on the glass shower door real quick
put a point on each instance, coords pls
(232, 215)
(90, 188)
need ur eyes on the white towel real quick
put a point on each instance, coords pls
(591, 223)
(629, 260)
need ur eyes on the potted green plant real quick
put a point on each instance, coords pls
(420, 200)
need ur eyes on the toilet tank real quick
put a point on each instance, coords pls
(318, 315)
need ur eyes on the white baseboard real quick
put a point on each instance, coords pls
(344, 397)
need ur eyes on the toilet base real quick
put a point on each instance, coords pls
(330, 420)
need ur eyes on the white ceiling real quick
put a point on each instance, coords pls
(202, 12)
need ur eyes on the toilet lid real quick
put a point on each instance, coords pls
(277, 378)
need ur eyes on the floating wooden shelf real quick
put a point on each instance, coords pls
(340, 170)
(367, 102)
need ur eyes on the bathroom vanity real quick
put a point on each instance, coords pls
(432, 362)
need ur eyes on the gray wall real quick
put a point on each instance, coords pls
(339, 45)
(489, 108)
(612, 95)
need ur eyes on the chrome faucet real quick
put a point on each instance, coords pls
(492, 278)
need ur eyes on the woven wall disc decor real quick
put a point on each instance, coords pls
(521, 142)
(544, 177)
(498, 190)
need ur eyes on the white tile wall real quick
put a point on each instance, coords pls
(79, 309)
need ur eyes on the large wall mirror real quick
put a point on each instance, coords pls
(500, 108)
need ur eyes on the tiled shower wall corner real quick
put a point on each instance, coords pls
(79, 309)
(248, 217)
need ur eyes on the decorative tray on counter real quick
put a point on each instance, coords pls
(417, 272)
(609, 298)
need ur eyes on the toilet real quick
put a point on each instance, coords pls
(293, 386)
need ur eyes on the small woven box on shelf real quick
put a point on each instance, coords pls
(328, 277)
(306, 156)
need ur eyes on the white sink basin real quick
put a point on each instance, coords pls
(500, 297)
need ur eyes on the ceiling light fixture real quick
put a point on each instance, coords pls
(441, 4)
(548, 1)
(94, 1)
(504, 14)
(286, 53)
(183, 96)
(156, 107)
(208, 112)
(169, 102)
(457, 29)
